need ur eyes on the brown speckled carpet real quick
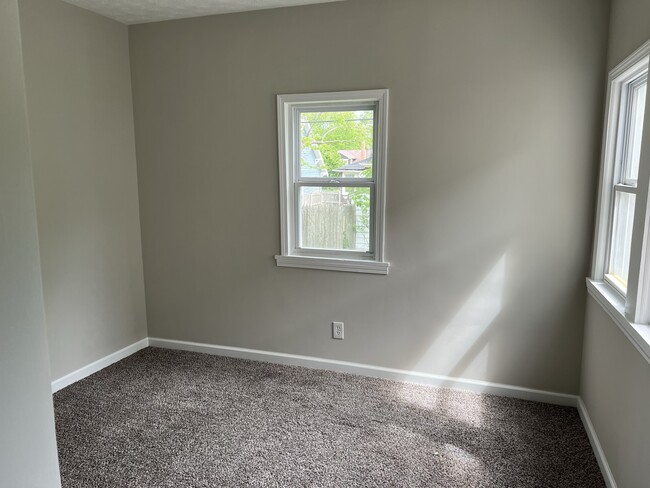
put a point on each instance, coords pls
(165, 418)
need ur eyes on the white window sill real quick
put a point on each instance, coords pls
(614, 305)
(333, 264)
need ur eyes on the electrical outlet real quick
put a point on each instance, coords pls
(337, 330)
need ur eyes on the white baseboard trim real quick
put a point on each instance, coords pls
(369, 370)
(98, 365)
(595, 445)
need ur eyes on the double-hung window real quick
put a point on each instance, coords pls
(632, 93)
(332, 151)
(621, 259)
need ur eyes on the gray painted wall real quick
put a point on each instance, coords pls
(28, 444)
(616, 390)
(81, 120)
(494, 137)
(615, 378)
(629, 29)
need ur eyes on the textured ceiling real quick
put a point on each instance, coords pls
(140, 11)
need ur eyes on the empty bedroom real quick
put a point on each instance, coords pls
(328, 243)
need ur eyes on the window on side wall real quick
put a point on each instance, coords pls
(621, 262)
(332, 151)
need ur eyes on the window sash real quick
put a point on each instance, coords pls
(315, 181)
(334, 253)
(629, 109)
(331, 107)
(615, 236)
(302, 181)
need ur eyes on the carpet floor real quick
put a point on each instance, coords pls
(163, 418)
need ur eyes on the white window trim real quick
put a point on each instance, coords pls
(293, 257)
(631, 312)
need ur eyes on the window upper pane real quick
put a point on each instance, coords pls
(635, 131)
(619, 261)
(336, 144)
(335, 218)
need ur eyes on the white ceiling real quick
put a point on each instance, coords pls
(140, 11)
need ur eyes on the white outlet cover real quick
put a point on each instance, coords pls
(336, 327)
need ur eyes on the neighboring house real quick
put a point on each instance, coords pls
(354, 169)
(356, 161)
(352, 155)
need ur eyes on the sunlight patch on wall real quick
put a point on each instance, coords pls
(460, 345)
(451, 347)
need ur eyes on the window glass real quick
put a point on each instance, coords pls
(335, 218)
(336, 144)
(635, 130)
(621, 238)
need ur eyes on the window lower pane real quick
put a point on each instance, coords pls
(619, 260)
(334, 218)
